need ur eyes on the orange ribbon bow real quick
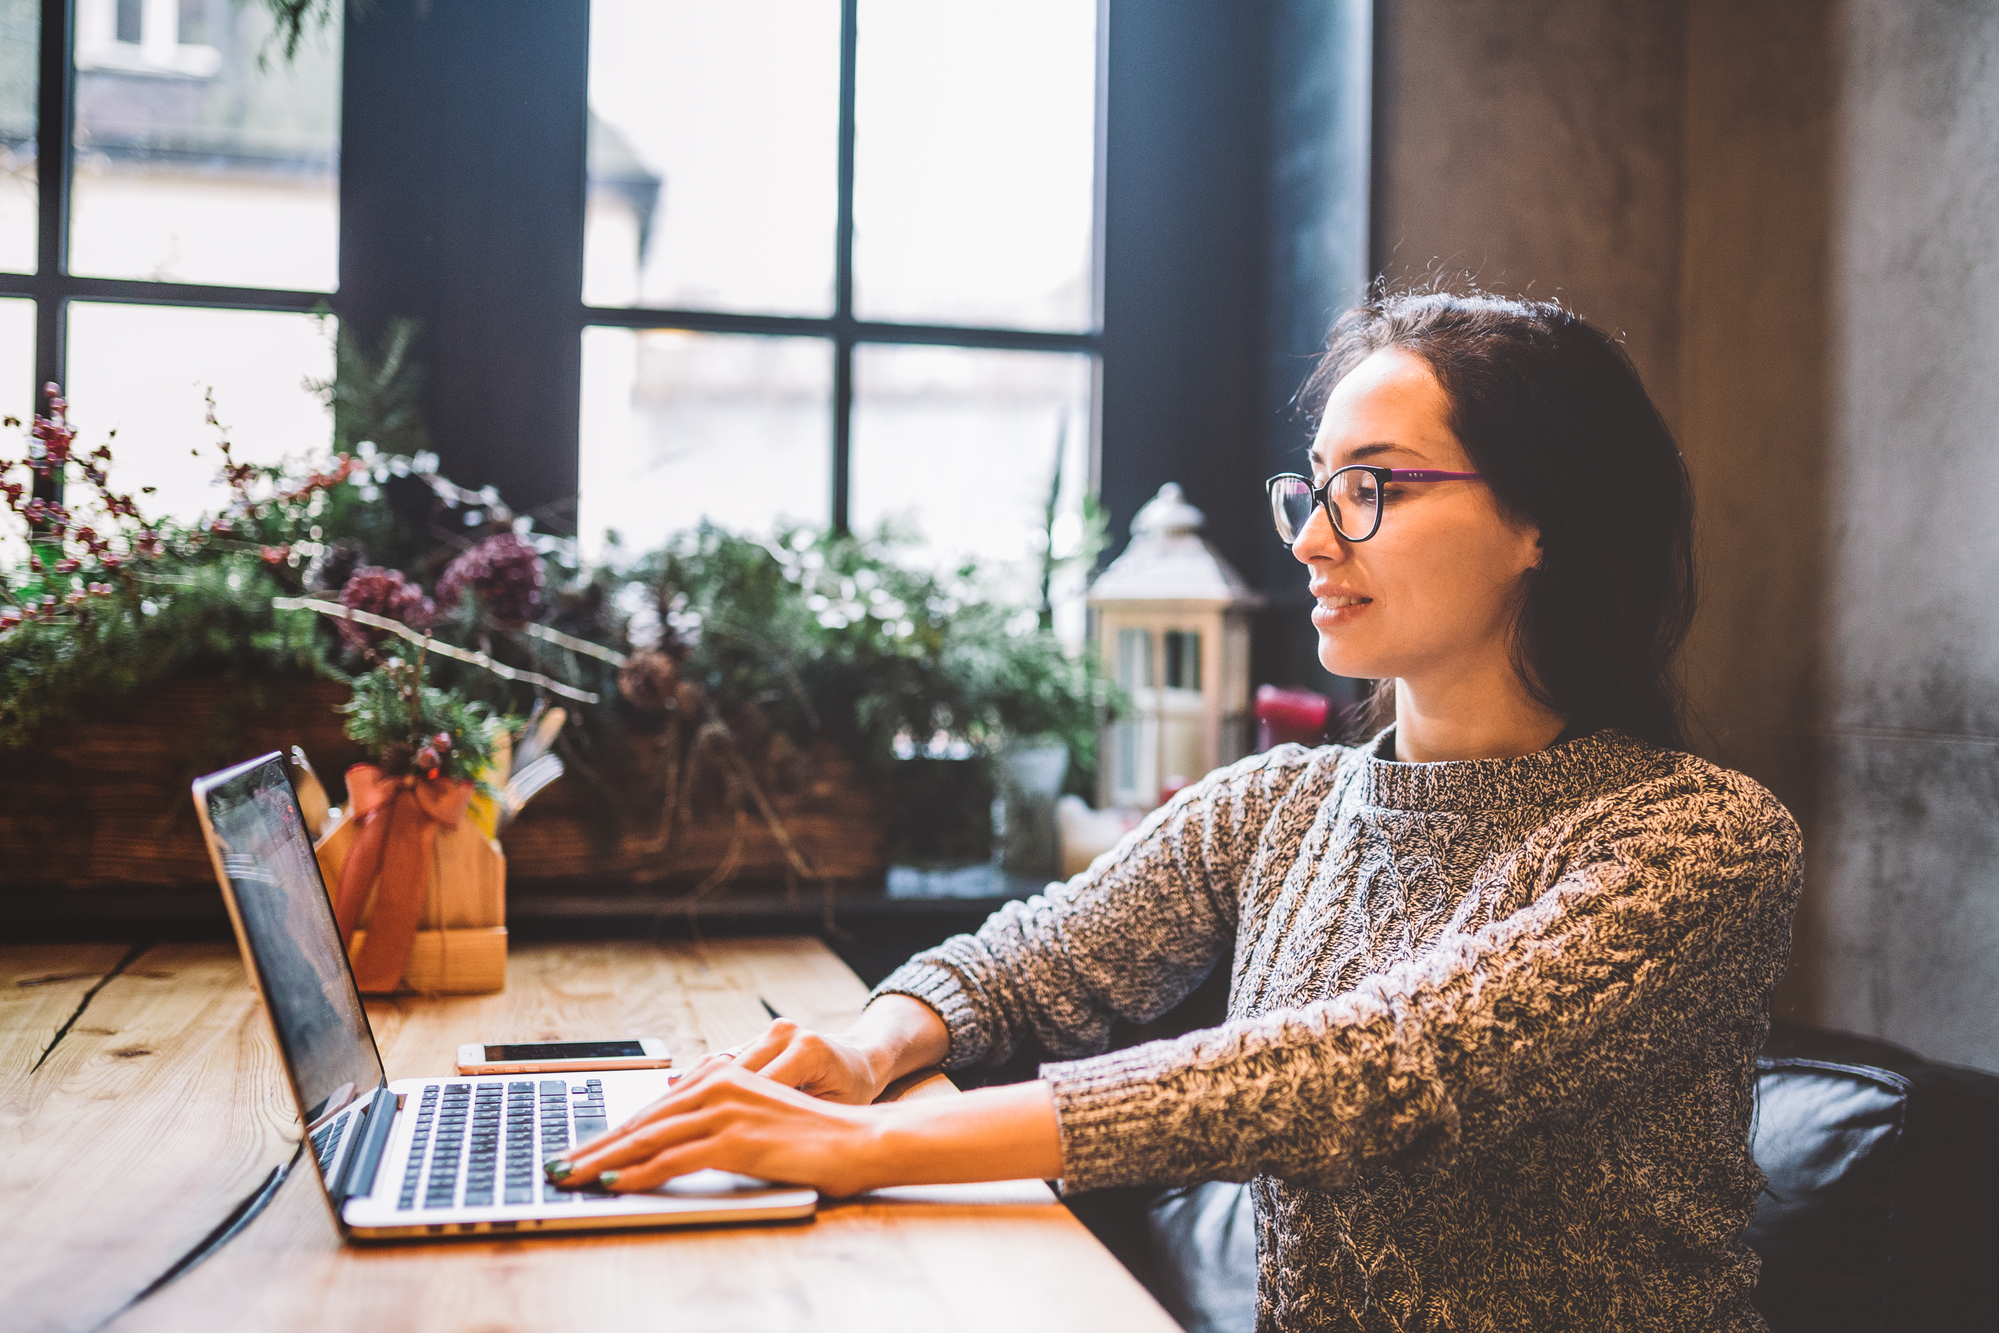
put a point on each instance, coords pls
(397, 838)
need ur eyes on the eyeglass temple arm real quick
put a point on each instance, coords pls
(1427, 474)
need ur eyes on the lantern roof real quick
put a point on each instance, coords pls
(1167, 560)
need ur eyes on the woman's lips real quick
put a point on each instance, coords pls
(1332, 612)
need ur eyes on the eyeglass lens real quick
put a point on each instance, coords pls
(1354, 499)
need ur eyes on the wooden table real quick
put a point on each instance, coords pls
(158, 1110)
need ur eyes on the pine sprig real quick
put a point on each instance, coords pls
(407, 726)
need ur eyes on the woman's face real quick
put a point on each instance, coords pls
(1434, 593)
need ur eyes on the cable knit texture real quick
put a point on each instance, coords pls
(1491, 1027)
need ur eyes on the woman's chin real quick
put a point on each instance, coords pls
(1339, 655)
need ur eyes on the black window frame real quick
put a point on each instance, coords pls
(1233, 175)
(846, 332)
(52, 287)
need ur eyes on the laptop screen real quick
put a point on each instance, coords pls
(287, 922)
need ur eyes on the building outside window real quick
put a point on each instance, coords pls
(203, 200)
(841, 267)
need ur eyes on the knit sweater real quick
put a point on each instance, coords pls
(1491, 1027)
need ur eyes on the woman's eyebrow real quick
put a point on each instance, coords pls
(1363, 452)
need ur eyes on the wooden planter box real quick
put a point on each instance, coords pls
(104, 804)
(834, 817)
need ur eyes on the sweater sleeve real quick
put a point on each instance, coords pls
(1128, 938)
(1650, 919)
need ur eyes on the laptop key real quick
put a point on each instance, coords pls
(419, 1143)
(442, 1186)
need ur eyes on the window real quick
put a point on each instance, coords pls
(840, 267)
(187, 232)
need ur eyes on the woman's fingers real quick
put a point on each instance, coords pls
(760, 1050)
(737, 1121)
(639, 1137)
(644, 1144)
(821, 1067)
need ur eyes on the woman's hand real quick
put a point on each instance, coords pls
(894, 1036)
(722, 1115)
(838, 1068)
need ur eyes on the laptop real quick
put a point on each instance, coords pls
(421, 1157)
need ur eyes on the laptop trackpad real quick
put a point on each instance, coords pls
(711, 1185)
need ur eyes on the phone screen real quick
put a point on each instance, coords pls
(567, 1050)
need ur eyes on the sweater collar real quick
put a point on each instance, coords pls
(1567, 770)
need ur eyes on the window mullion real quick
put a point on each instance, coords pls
(843, 269)
(56, 105)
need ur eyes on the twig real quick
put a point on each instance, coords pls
(481, 660)
(575, 645)
(777, 829)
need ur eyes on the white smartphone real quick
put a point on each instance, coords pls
(551, 1057)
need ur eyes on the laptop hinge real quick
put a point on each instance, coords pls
(364, 1160)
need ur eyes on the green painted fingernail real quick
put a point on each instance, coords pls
(557, 1168)
(608, 1179)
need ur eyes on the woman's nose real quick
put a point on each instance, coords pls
(1319, 541)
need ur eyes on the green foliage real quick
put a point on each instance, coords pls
(290, 18)
(212, 619)
(377, 396)
(407, 726)
(831, 633)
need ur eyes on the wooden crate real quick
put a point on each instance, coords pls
(104, 803)
(834, 814)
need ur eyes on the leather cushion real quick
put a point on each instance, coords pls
(1826, 1137)
(1204, 1256)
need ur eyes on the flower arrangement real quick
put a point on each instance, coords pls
(736, 652)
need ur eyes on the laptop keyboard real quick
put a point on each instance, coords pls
(483, 1137)
(326, 1140)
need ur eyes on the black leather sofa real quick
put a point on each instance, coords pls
(1881, 1214)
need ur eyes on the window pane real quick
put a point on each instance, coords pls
(193, 164)
(974, 163)
(714, 167)
(20, 86)
(142, 371)
(960, 445)
(17, 370)
(17, 361)
(678, 427)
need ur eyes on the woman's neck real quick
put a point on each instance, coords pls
(1469, 719)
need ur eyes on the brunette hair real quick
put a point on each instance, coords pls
(1553, 415)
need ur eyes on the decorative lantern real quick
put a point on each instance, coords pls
(1173, 631)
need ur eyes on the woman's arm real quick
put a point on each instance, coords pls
(1667, 923)
(723, 1116)
(1130, 937)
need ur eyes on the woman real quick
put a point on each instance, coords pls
(1497, 977)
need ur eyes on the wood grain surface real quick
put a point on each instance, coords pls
(158, 1112)
(968, 1257)
(40, 990)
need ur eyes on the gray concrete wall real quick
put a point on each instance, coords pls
(1536, 145)
(1902, 938)
(1792, 211)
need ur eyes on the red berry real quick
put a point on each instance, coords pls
(426, 759)
(441, 742)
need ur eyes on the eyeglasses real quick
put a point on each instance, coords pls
(1351, 498)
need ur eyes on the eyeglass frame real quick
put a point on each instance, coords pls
(1321, 495)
